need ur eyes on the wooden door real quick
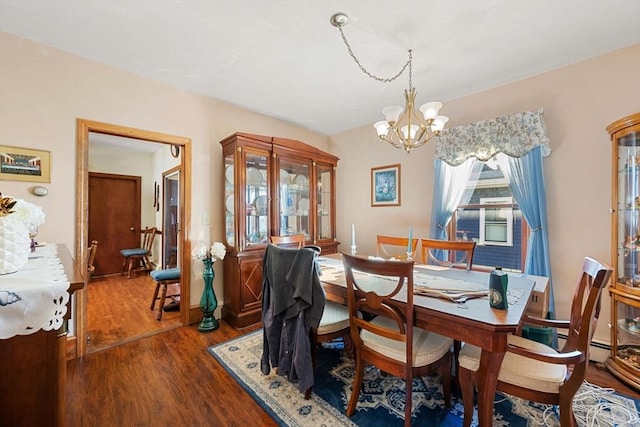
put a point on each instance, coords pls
(114, 218)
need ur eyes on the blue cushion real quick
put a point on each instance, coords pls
(168, 274)
(131, 252)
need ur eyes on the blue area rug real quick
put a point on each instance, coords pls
(382, 400)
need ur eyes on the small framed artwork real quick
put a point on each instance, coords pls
(25, 164)
(385, 186)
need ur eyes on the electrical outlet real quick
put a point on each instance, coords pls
(205, 218)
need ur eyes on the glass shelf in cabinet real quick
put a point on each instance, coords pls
(631, 326)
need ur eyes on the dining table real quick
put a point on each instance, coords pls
(453, 302)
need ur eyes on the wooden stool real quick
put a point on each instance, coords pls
(164, 278)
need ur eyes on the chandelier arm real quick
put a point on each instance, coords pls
(364, 70)
(421, 143)
(392, 142)
(423, 132)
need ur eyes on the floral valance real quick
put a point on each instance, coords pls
(514, 135)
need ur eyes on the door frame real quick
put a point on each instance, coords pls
(83, 128)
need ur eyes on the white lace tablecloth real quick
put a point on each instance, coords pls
(35, 297)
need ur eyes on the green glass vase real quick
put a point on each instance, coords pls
(208, 301)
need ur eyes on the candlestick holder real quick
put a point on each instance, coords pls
(353, 249)
(409, 256)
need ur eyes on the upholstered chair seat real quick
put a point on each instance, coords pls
(519, 370)
(427, 346)
(335, 318)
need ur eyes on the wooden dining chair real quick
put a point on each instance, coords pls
(164, 279)
(91, 258)
(383, 331)
(457, 253)
(533, 371)
(396, 247)
(295, 241)
(334, 322)
(135, 256)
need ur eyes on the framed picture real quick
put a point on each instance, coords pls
(385, 186)
(24, 164)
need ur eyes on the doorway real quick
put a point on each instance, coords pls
(77, 346)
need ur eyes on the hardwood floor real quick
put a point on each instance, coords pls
(119, 311)
(169, 378)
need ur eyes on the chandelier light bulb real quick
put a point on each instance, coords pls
(438, 124)
(409, 134)
(391, 113)
(382, 128)
(430, 110)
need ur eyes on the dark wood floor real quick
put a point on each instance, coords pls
(169, 379)
(119, 311)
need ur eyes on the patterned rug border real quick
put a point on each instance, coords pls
(309, 410)
(285, 404)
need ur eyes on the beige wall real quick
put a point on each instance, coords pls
(42, 93)
(579, 102)
(44, 90)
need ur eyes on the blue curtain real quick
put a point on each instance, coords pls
(525, 176)
(440, 214)
(517, 142)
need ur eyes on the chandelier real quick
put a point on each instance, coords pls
(402, 127)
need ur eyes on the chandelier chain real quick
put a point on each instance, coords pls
(402, 127)
(364, 70)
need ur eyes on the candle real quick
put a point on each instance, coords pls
(353, 235)
(410, 238)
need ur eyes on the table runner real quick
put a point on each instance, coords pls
(427, 280)
(332, 268)
(35, 297)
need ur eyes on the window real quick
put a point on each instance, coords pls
(490, 217)
(496, 224)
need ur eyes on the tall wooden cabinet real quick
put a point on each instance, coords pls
(272, 186)
(624, 361)
(34, 367)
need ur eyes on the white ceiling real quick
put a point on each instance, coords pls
(285, 60)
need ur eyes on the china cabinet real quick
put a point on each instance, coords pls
(272, 186)
(624, 361)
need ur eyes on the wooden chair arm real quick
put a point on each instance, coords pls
(569, 358)
(561, 324)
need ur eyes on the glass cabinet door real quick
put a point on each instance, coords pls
(229, 200)
(627, 345)
(624, 361)
(628, 209)
(256, 197)
(293, 198)
(324, 200)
